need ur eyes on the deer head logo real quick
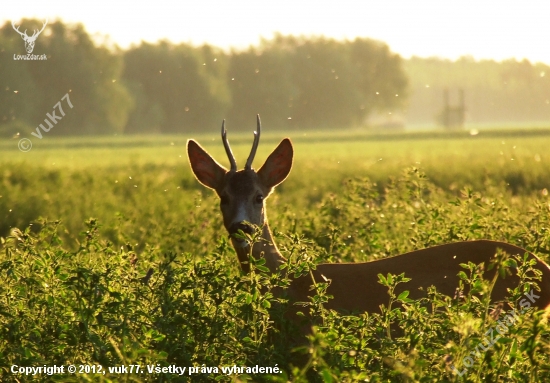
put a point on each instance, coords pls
(29, 40)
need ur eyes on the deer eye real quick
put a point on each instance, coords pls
(259, 198)
(224, 200)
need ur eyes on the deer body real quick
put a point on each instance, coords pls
(354, 286)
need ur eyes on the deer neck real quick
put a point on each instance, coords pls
(265, 247)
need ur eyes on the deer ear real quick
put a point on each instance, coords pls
(206, 169)
(277, 166)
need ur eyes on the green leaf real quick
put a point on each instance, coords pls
(403, 295)
(262, 268)
(327, 377)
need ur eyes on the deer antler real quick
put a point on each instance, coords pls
(17, 30)
(35, 34)
(255, 144)
(228, 149)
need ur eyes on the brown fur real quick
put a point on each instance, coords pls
(355, 286)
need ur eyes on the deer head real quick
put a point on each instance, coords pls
(242, 192)
(29, 40)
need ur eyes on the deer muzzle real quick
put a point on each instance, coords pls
(244, 227)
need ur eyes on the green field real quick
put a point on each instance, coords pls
(84, 222)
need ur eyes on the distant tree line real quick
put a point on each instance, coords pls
(292, 82)
(171, 88)
(507, 92)
(75, 65)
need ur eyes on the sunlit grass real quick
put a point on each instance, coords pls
(113, 254)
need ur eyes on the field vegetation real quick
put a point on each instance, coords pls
(112, 254)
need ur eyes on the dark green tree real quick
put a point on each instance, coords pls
(177, 88)
(314, 82)
(75, 65)
(19, 94)
(260, 81)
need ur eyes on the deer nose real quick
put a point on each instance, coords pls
(246, 228)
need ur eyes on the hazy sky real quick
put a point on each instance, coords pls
(483, 29)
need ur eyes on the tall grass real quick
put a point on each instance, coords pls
(127, 263)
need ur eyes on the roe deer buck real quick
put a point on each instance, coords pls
(354, 286)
